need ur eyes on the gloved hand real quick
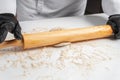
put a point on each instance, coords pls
(114, 21)
(8, 23)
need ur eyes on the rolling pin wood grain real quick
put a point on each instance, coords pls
(55, 37)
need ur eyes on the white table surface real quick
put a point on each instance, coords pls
(88, 60)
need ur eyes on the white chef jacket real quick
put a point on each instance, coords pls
(41, 9)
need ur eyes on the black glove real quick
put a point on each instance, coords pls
(8, 23)
(114, 21)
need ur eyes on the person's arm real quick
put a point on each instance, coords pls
(111, 7)
(8, 21)
(8, 6)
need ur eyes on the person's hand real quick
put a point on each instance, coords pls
(114, 21)
(8, 23)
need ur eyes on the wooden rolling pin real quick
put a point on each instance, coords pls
(61, 36)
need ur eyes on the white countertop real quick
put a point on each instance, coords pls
(88, 60)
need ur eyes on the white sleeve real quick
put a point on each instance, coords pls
(8, 6)
(111, 7)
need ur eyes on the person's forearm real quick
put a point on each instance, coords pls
(8, 6)
(111, 7)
